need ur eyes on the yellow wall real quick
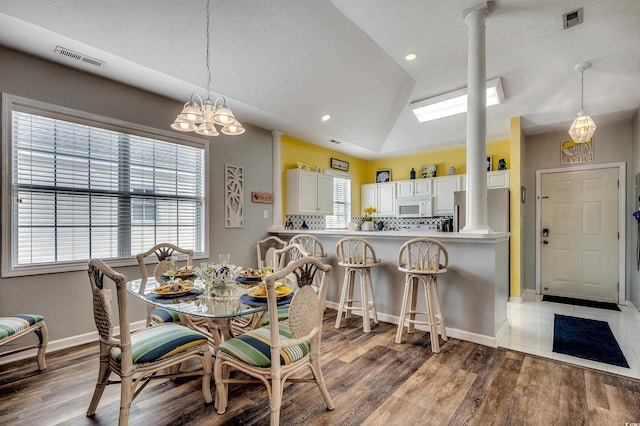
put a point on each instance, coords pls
(294, 150)
(443, 159)
(515, 184)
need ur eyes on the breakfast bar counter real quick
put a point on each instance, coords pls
(474, 291)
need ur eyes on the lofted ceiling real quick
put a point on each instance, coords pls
(281, 64)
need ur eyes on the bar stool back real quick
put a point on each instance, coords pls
(311, 244)
(422, 260)
(358, 257)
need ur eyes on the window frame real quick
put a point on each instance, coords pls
(12, 102)
(342, 175)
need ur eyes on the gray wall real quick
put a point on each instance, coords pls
(632, 232)
(612, 143)
(64, 298)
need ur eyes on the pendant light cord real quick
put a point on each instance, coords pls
(582, 89)
(208, 54)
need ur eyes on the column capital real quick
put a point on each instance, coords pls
(481, 10)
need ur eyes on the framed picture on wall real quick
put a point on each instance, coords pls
(339, 164)
(383, 175)
(429, 171)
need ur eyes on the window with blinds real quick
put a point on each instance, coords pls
(341, 202)
(80, 191)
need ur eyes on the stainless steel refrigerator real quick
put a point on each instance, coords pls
(497, 209)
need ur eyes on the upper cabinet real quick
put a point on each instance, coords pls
(498, 179)
(382, 196)
(309, 192)
(414, 188)
(443, 189)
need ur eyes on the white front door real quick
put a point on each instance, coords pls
(579, 234)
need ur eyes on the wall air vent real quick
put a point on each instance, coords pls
(79, 56)
(573, 18)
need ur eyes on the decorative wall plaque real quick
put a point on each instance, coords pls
(262, 197)
(575, 153)
(233, 196)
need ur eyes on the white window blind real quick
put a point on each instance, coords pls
(341, 202)
(80, 191)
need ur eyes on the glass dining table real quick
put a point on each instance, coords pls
(220, 312)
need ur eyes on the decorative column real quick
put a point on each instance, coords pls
(276, 165)
(476, 202)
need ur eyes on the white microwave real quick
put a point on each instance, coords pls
(414, 207)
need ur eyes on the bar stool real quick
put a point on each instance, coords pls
(311, 244)
(357, 256)
(422, 259)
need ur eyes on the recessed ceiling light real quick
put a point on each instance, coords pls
(326, 117)
(454, 102)
(411, 57)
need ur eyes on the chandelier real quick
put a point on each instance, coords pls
(583, 126)
(202, 116)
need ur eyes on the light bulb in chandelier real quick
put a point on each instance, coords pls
(583, 127)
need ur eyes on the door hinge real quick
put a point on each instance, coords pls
(618, 235)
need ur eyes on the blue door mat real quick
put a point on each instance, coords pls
(587, 339)
(581, 302)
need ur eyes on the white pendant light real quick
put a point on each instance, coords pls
(583, 127)
(201, 116)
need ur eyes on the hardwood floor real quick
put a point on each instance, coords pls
(372, 381)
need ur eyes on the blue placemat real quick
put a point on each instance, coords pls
(245, 280)
(253, 301)
(193, 293)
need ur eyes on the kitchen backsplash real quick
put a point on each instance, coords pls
(390, 223)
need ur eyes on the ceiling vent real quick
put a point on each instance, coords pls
(79, 56)
(573, 18)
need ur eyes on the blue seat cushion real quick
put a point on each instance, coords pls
(254, 348)
(162, 315)
(15, 324)
(159, 342)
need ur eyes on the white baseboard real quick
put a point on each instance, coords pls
(633, 309)
(67, 342)
(480, 339)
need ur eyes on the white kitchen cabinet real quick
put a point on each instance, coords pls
(368, 196)
(414, 188)
(498, 179)
(443, 188)
(386, 198)
(405, 188)
(423, 187)
(309, 192)
(382, 196)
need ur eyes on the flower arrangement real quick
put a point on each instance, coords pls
(368, 213)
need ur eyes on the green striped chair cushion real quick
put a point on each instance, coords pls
(15, 324)
(162, 315)
(160, 342)
(283, 314)
(254, 347)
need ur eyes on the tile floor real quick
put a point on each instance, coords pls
(531, 331)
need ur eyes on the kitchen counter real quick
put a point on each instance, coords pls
(474, 291)
(441, 236)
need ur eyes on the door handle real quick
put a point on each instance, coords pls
(545, 232)
(545, 242)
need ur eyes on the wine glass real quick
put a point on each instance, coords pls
(207, 275)
(224, 258)
(172, 264)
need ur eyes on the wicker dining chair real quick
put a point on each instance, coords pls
(265, 249)
(15, 327)
(145, 354)
(282, 257)
(274, 354)
(159, 315)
